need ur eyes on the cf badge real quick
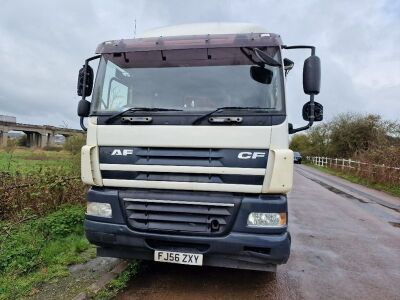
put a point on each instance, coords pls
(250, 155)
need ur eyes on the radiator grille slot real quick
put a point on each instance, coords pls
(184, 177)
(179, 216)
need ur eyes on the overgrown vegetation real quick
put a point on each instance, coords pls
(365, 138)
(41, 220)
(37, 182)
(74, 143)
(38, 250)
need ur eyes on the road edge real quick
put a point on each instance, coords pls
(103, 281)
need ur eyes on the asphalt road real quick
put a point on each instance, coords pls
(345, 245)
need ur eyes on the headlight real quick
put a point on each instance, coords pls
(98, 209)
(257, 219)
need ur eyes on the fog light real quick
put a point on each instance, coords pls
(98, 209)
(257, 219)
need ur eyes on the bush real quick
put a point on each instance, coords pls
(38, 192)
(365, 138)
(63, 222)
(348, 135)
(74, 143)
(22, 141)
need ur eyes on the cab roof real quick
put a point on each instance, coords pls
(192, 36)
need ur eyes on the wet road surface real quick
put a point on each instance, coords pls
(345, 245)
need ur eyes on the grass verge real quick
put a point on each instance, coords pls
(40, 250)
(390, 189)
(26, 161)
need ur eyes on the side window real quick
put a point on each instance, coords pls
(115, 93)
(118, 95)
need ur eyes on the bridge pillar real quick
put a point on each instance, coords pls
(46, 139)
(38, 140)
(51, 140)
(3, 138)
(33, 139)
(42, 142)
(29, 139)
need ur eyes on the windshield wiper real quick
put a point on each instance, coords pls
(197, 121)
(262, 56)
(134, 109)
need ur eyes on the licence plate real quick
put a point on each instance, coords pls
(179, 258)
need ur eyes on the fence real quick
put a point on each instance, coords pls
(374, 172)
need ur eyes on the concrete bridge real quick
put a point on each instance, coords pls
(38, 136)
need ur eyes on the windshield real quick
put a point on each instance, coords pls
(190, 85)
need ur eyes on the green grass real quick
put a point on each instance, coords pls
(390, 189)
(40, 251)
(26, 161)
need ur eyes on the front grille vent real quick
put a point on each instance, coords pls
(178, 216)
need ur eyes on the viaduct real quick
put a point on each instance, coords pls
(38, 136)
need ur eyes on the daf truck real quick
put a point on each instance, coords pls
(187, 153)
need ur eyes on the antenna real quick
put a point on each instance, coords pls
(134, 32)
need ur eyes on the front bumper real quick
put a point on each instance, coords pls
(241, 247)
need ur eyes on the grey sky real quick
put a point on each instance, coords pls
(43, 44)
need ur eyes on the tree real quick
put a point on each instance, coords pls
(350, 135)
(314, 142)
(354, 133)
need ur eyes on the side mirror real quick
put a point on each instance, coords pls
(87, 90)
(312, 75)
(318, 111)
(83, 108)
(261, 74)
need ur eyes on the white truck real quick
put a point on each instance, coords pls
(187, 145)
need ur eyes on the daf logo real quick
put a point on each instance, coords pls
(251, 155)
(124, 152)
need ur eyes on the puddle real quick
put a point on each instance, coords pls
(335, 190)
(347, 195)
(351, 197)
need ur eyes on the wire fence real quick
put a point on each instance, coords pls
(378, 173)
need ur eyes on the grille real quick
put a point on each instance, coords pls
(179, 216)
(204, 157)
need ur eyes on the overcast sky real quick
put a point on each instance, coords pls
(44, 43)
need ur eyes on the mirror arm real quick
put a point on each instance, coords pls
(84, 75)
(84, 86)
(312, 105)
(310, 122)
(300, 47)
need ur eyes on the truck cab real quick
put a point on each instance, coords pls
(187, 153)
